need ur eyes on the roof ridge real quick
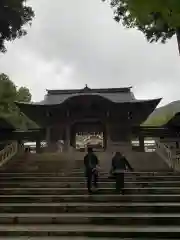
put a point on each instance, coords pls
(87, 89)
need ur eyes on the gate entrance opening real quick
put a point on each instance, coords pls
(88, 134)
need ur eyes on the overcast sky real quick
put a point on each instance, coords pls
(76, 42)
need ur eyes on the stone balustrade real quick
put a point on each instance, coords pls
(8, 152)
(170, 155)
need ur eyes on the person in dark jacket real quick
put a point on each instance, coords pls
(119, 164)
(91, 164)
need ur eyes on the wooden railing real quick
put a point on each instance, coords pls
(8, 152)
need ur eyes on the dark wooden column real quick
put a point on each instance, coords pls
(107, 136)
(48, 129)
(67, 138)
(67, 132)
(104, 139)
(141, 143)
(48, 137)
(38, 146)
(73, 139)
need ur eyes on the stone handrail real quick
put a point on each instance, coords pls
(170, 156)
(8, 152)
(148, 146)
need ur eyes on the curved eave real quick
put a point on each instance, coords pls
(6, 124)
(35, 112)
(154, 102)
(174, 121)
(38, 112)
(145, 109)
(150, 104)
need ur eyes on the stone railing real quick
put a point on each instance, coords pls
(149, 146)
(8, 152)
(170, 156)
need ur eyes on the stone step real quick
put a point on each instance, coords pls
(82, 178)
(92, 218)
(89, 198)
(72, 191)
(82, 207)
(65, 174)
(90, 231)
(82, 174)
(74, 238)
(59, 173)
(80, 170)
(11, 183)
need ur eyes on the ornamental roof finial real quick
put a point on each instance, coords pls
(86, 88)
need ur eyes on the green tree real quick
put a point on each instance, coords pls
(7, 93)
(23, 95)
(8, 109)
(14, 15)
(158, 20)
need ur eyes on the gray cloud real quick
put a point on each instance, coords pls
(72, 43)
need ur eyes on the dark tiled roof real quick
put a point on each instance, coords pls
(113, 97)
(116, 95)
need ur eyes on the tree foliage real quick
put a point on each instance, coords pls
(7, 90)
(162, 115)
(158, 20)
(23, 95)
(14, 15)
(8, 109)
(158, 120)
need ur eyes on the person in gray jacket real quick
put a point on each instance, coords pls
(119, 164)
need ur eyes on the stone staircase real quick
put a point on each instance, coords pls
(140, 161)
(37, 204)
